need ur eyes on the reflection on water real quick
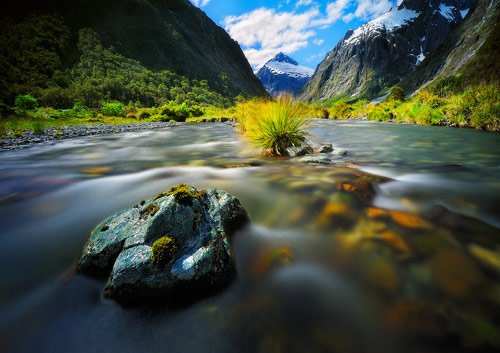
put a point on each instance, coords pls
(399, 253)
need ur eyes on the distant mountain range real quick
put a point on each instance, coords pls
(282, 74)
(386, 51)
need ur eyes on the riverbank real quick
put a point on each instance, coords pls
(29, 138)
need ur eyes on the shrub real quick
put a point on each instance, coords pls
(483, 103)
(163, 251)
(397, 94)
(57, 97)
(143, 114)
(340, 110)
(448, 86)
(196, 111)
(176, 112)
(113, 109)
(132, 116)
(26, 102)
(274, 125)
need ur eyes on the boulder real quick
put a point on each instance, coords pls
(176, 242)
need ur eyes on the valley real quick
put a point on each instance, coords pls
(181, 176)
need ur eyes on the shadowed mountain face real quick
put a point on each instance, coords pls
(471, 52)
(162, 34)
(282, 74)
(382, 52)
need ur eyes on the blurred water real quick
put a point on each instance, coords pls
(317, 272)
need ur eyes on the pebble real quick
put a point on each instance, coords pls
(67, 132)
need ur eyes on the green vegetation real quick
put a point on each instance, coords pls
(183, 194)
(163, 251)
(100, 86)
(113, 109)
(26, 102)
(32, 53)
(273, 125)
(441, 104)
(396, 94)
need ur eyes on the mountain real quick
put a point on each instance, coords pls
(470, 53)
(160, 34)
(382, 52)
(282, 74)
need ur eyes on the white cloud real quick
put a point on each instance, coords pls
(300, 3)
(264, 32)
(200, 3)
(334, 11)
(369, 9)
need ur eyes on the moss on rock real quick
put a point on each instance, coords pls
(183, 194)
(163, 250)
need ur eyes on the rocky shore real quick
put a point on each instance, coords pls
(66, 132)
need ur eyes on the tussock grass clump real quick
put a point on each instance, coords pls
(273, 125)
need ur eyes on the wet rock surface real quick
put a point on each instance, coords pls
(197, 223)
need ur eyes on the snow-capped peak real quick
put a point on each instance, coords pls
(390, 20)
(283, 58)
(282, 64)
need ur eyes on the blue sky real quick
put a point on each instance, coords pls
(305, 29)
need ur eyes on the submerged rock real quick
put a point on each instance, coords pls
(178, 241)
(299, 151)
(325, 148)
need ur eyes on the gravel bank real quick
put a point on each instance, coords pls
(67, 132)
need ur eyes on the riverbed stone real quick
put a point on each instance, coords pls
(325, 148)
(299, 151)
(318, 159)
(200, 223)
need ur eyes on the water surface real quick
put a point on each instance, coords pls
(329, 264)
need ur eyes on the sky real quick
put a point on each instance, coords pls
(304, 29)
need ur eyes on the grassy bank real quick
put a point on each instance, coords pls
(476, 107)
(29, 117)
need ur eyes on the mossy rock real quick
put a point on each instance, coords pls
(176, 242)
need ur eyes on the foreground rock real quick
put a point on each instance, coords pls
(176, 244)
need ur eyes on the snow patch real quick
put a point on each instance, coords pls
(446, 11)
(421, 56)
(283, 68)
(464, 13)
(390, 20)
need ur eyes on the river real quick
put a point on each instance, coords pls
(329, 264)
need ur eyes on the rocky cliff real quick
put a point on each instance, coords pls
(382, 52)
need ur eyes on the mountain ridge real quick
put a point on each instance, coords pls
(382, 52)
(163, 35)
